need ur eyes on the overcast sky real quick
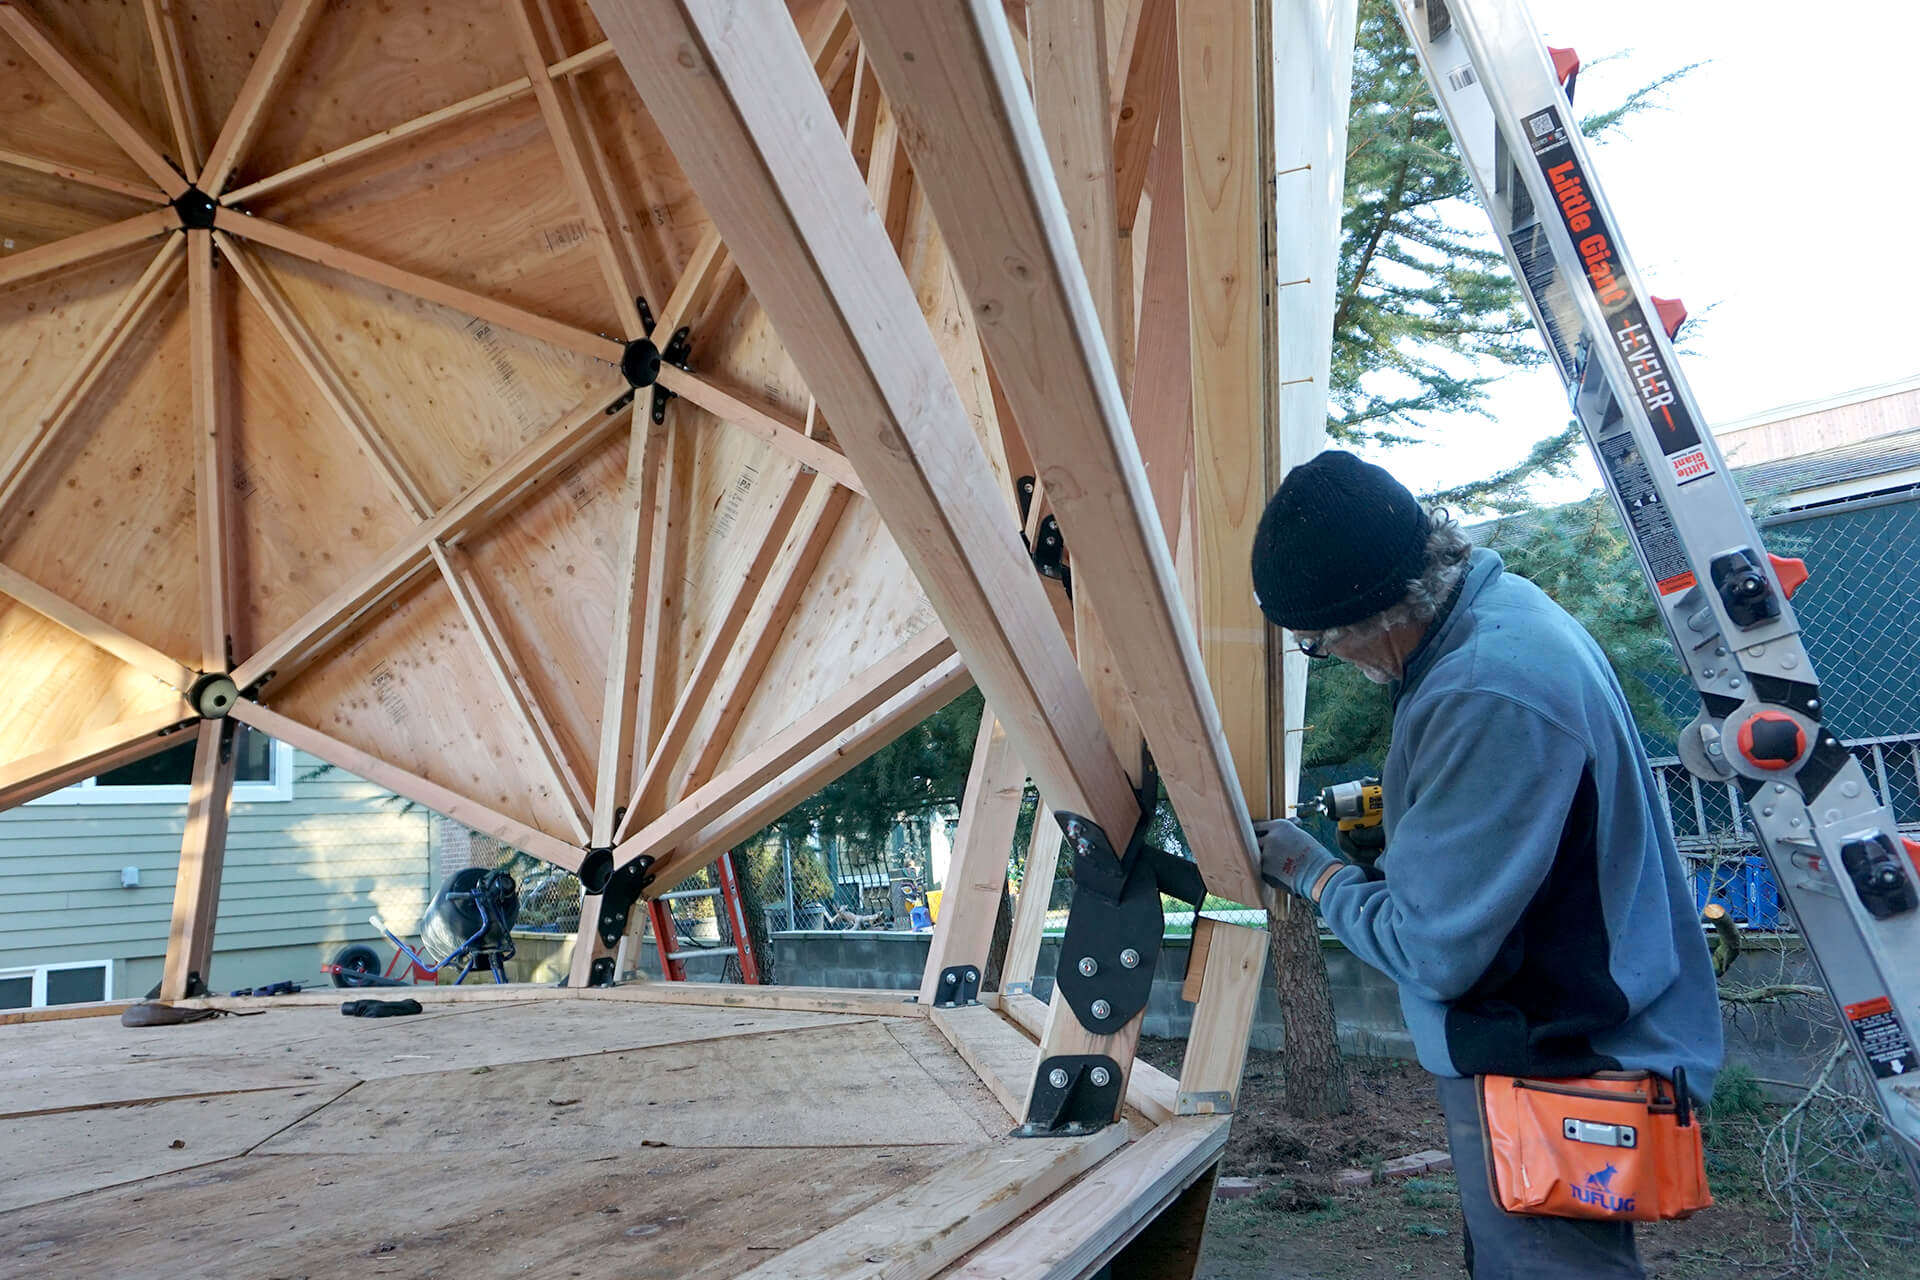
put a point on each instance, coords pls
(1776, 184)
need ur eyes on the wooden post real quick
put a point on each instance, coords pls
(203, 847)
(1030, 909)
(1223, 977)
(1220, 130)
(977, 875)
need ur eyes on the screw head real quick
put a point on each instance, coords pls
(1129, 959)
(1057, 1078)
(1099, 1076)
(952, 978)
(973, 975)
(1087, 967)
(1101, 1009)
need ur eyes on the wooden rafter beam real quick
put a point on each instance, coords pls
(89, 754)
(510, 674)
(334, 618)
(176, 86)
(867, 693)
(492, 310)
(650, 792)
(212, 453)
(268, 71)
(735, 96)
(96, 243)
(85, 177)
(334, 389)
(772, 611)
(94, 99)
(786, 434)
(203, 847)
(1162, 399)
(55, 608)
(131, 316)
(565, 128)
(983, 163)
(780, 794)
(620, 696)
(401, 782)
(977, 872)
(360, 148)
(1151, 64)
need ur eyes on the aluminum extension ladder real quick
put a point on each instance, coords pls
(1840, 861)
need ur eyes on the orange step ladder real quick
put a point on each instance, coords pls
(673, 958)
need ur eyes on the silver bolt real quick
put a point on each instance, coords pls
(1849, 789)
(1707, 674)
(1087, 967)
(952, 978)
(1099, 1076)
(1813, 704)
(1719, 651)
(1757, 650)
(1767, 812)
(1793, 822)
(1713, 749)
(1129, 959)
(1101, 1009)
(973, 975)
(1734, 683)
(1780, 788)
(1057, 1078)
(1083, 845)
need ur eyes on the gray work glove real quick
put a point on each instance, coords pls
(1291, 859)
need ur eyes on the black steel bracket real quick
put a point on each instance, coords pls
(1112, 941)
(196, 209)
(1050, 555)
(959, 985)
(619, 889)
(1073, 1094)
(679, 348)
(640, 361)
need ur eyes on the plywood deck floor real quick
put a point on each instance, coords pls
(498, 1138)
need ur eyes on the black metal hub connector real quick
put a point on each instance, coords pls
(959, 985)
(1073, 1094)
(619, 888)
(1112, 941)
(640, 363)
(213, 695)
(196, 209)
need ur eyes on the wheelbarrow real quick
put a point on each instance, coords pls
(469, 923)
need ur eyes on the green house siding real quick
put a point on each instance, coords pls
(301, 877)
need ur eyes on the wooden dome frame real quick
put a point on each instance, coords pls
(1110, 222)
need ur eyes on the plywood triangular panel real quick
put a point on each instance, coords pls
(414, 690)
(108, 518)
(109, 40)
(310, 508)
(39, 119)
(455, 395)
(49, 322)
(59, 687)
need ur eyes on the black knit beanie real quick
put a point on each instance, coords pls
(1338, 543)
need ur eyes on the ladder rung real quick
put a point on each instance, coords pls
(697, 952)
(681, 894)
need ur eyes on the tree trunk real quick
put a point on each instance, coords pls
(1316, 1076)
(1002, 939)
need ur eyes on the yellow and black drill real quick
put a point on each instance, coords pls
(1358, 811)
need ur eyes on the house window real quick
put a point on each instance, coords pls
(79, 983)
(263, 770)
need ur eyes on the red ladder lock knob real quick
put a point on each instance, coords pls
(1772, 740)
(1565, 63)
(1672, 313)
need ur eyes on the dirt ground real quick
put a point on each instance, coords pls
(1301, 1226)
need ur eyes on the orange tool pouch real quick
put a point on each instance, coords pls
(1619, 1145)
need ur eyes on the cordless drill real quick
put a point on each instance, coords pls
(1357, 810)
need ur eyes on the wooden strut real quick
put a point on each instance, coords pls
(85, 177)
(270, 67)
(977, 872)
(90, 754)
(96, 101)
(97, 243)
(176, 86)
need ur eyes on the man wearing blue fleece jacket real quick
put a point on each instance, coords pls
(1530, 905)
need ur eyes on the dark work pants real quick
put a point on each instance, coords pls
(1513, 1246)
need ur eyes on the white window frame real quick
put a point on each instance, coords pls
(39, 975)
(277, 787)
